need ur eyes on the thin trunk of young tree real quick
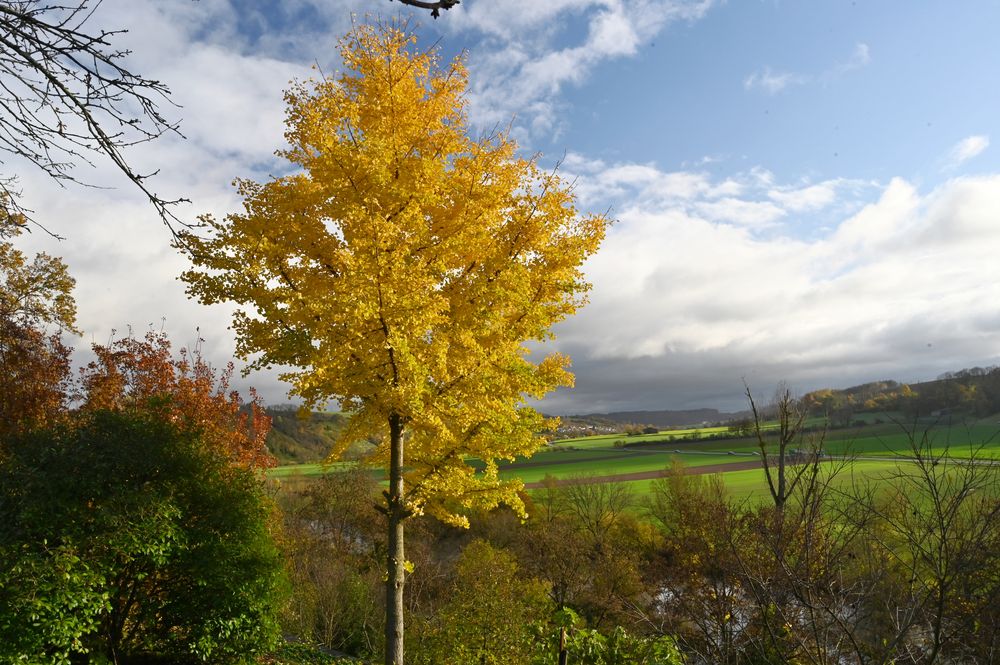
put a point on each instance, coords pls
(396, 558)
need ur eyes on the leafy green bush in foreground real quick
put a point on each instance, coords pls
(122, 538)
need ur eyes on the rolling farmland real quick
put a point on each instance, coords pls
(871, 450)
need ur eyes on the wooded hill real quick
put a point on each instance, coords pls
(294, 440)
(974, 391)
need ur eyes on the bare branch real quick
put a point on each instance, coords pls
(66, 96)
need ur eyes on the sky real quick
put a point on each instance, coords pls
(803, 192)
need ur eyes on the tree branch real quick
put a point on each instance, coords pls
(66, 94)
(435, 7)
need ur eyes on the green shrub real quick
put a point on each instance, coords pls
(123, 538)
(491, 616)
(586, 646)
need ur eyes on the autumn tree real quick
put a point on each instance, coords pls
(127, 539)
(143, 375)
(400, 269)
(36, 306)
(492, 613)
(938, 526)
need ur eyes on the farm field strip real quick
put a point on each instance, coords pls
(624, 464)
(309, 470)
(750, 485)
(958, 441)
(668, 435)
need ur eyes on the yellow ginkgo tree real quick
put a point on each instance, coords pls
(401, 269)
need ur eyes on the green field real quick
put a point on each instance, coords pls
(308, 470)
(983, 439)
(618, 454)
(750, 485)
(617, 462)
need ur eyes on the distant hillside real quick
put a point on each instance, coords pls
(973, 392)
(573, 426)
(667, 418)
(622, 421)
(296, 440)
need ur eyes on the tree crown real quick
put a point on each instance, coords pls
(404, 265)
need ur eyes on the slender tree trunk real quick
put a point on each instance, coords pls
(396, 511)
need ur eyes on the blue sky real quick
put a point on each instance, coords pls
(805, 191)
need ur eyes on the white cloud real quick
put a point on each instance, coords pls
(235, 100)
(613, 34)
(685, 307)
(772, 82)
(753, 214)
(966, 149)
(574, 162)
(516, 20)
(877, 227)
(751, 198)
(523, 63)
(860, 58)
(803, 199)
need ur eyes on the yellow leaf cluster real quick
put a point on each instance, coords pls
(403, 266)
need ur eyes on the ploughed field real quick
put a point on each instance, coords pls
(870, 451)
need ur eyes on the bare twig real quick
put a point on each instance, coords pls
(66, 96)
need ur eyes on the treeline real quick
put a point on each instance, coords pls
(974, 392)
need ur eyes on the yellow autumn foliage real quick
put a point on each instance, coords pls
(402, 267)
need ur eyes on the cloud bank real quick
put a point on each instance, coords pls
(685, 304)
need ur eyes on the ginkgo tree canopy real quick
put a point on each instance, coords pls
(403, 266)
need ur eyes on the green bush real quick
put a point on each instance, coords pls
(587, 646)
(491, 616)
(123, 539)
